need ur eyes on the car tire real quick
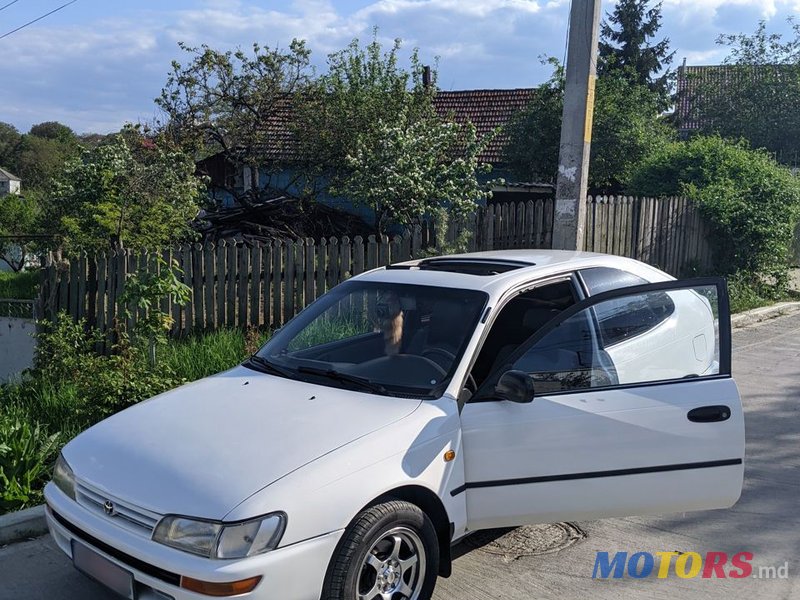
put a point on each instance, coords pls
(390, 550)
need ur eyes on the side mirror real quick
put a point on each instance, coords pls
(515, 386)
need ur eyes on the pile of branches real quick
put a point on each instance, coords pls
(280, 218)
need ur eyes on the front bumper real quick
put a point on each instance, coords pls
(293, 572)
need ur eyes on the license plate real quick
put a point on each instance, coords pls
(102, 570)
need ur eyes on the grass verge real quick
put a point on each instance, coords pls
(48, 406)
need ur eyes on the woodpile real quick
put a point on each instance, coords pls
(281, 217)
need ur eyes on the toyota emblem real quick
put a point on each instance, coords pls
(109, 507)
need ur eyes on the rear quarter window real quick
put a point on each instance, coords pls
(628, 317)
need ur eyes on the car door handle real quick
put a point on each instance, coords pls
(709, 414)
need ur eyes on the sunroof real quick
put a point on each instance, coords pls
(470, 266)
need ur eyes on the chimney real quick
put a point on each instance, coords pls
(426, 76)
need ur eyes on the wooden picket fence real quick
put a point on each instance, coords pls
(668, 233)
(234, 284)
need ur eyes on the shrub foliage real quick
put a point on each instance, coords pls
(751, 202)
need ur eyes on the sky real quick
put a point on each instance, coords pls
(100, 63)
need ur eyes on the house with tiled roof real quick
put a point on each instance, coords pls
(9, 184)
(487, 109)
(694, 79)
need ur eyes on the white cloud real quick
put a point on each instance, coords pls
(766, 8)
(97, 75)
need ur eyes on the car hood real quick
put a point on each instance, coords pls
(202, 449)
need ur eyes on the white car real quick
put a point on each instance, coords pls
(406, 408)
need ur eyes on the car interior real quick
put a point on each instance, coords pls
(518, 320)
(409, 339)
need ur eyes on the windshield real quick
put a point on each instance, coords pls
(387, 338)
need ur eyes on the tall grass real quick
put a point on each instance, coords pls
(202, 355)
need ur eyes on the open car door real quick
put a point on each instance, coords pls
(622, 405)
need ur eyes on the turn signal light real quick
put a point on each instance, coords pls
(209, 588)
(449, 455)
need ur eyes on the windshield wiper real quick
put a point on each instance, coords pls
(365, 383)
(259, 363)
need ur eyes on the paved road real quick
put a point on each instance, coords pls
(766, 521)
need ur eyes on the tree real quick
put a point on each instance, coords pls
(53, 130)
(759, 98)
(38, 156)
(237, 104)
(626, 48)
(416, 168)
(534, 134)
(380, 141)
(135, 191)
(10, 138)
(627, 127)
(364, 89)
(19, 217)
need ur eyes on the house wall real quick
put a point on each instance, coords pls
(9, 187)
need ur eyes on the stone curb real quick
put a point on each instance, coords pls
(765, 313)
(23, 524)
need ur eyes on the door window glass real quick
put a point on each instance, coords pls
(518, 320)
(645, 337)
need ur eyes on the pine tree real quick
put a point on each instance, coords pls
(626, 49)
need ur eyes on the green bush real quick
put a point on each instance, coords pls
(27, 452)
(749, 200)
(19, 286)
(67, 352)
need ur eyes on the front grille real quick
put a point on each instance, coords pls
(132, 518)
(146, 568)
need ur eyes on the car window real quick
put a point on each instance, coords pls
(577, 353)
(604, 279)
(620, 320)
(518, 320)
(390, 337)
(627, 317)
(346, 318)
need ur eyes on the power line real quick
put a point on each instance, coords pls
(36, 20)
(9, 4)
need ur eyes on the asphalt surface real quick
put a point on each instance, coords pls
(766, 521)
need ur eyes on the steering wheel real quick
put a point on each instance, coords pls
(452, 358)
(441, 352)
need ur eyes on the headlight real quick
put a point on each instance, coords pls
(221, 540)
(63, 477)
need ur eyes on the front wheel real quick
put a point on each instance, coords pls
(389, 552)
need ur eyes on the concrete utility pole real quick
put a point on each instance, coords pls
(576, 128)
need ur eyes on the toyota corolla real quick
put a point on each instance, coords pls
(406, 408)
